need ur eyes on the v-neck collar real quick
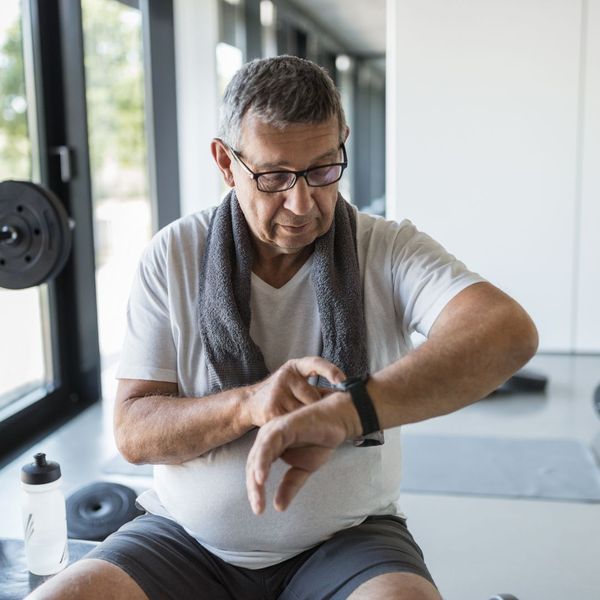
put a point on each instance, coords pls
(298, 275)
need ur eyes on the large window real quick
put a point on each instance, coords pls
(49, 362)
(25, 353)
(88, 110)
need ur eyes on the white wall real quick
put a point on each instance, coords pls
(196, 36)
(486, 150)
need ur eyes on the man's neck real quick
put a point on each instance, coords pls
(278, 269)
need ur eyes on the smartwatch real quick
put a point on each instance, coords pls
(357, 387)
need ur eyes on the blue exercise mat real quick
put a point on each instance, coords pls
(552, 469)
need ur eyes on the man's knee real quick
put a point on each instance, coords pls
(396, 586)
(90, 579)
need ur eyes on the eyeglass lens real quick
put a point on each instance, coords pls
(279, 182)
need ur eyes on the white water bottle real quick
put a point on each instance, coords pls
(44, 517)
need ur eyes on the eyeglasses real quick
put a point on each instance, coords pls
(280, 181)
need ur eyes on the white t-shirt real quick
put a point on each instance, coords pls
(407, 280)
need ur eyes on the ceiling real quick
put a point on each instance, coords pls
(359, 25)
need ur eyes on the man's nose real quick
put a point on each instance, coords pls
(299, 199)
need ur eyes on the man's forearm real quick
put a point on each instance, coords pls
(171, 430)
(482, 339)
(154, 425)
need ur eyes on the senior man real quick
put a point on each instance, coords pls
(277, 326)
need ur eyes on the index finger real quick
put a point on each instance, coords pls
(268, 446)
(316, 365)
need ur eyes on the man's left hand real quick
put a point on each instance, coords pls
(305, 439)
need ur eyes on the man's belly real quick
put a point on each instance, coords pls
(208, 497)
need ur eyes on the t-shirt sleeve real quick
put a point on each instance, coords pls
(425, 277)
(148, 348)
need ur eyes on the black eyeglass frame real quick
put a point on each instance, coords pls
(297, 174)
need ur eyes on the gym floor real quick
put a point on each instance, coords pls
(475, 547)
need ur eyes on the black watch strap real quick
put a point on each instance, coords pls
(357, 387)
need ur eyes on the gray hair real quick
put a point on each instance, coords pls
(279, 91)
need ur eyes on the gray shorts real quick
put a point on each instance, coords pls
(167, 562)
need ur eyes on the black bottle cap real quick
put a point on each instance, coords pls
(41, 471)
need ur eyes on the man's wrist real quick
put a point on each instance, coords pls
(348, 414)
(245, 398)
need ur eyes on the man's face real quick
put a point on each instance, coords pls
(286, 222)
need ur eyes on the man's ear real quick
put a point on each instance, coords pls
(223, 160)
(346, 133)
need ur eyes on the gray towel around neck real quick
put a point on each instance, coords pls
(233, 358)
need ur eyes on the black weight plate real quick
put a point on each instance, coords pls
(98, 509)
(523, 381)
(526, 380)
(44, 240)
